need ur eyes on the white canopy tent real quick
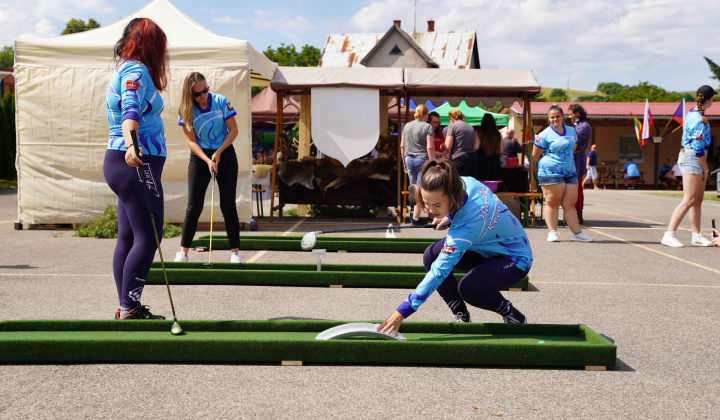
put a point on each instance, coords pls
(62, 129)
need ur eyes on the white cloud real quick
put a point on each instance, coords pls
(46, 17)
(290, 26)
(589, 41)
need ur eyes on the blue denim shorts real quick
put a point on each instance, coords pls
(688, 163)
(554, 180)
(413, 165)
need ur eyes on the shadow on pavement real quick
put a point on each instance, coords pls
(8, 191)
(18, 267)
(617, 223)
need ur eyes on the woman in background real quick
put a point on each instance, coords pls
(489, 150)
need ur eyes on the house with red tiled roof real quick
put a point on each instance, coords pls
(613, 131)
(7, 81)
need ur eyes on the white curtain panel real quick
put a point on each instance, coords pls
(345, 121)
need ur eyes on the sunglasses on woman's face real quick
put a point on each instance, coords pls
(197, 94)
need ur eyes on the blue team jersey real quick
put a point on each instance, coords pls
(482, 225)
(131, 94)
(209, 123)
(696, 135)
(558, 159)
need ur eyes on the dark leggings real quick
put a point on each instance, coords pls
(481, 285)
(198, 179)
(581, 195)
(136, 246)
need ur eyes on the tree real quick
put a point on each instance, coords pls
(557, 95)
(78, 25)
(7, 57)
(7, 137)
(284, 55)
(610, 88)
(593, 98)
(642, 91)
(714, 68)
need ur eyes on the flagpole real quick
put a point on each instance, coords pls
(666, 126)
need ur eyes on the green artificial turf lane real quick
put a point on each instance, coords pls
(328, 243)
(92, 341)
(346, 275)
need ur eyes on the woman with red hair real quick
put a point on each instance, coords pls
(133, 102)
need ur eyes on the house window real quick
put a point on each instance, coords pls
(629, 149)
(396, 50)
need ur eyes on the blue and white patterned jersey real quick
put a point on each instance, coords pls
(558, 160)
(209, 123)
(482, 225)
(131, 94)
(696, 135)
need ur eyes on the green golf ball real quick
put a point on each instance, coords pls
(541, 342)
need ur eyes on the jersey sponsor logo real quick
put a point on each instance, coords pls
(448, 249)
(699, 137)
(538, 138)
(131, 84)
(229, 107)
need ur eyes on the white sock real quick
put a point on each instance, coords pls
(124, 311)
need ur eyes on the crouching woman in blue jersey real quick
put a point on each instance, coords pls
(208, 121)
(484, 239)
(133, 102)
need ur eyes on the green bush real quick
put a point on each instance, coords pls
(106, 226)
(7, 137)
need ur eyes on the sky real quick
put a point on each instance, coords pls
(580, 42)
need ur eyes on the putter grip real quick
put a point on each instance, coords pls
(133, 134)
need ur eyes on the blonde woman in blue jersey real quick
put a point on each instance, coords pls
(557, 174)
(484, 239)
(694, 167)
(208, 121)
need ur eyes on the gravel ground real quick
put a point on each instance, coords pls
(659, 305)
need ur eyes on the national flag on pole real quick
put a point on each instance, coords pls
(638, 129)
(647, 125)
(680, 113)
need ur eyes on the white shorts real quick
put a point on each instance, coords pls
(592, 172)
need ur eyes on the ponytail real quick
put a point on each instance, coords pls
(441, 175)
(700, 109)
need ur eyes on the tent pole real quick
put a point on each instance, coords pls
(405, 177)
(527, 115)
(278, 127)
(400, 165)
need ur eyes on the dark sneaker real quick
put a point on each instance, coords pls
(462, 317)
(515, 317)
(139, 312)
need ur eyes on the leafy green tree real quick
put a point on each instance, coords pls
(642, 91)
(557, 95)
(287, 55)
(714, 68)
(593, 98)
(610, 88)
(7, 57)
(7, 137)
(78, 25)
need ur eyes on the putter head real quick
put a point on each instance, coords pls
(208, 265)
(176, 329)
(308, 241)
(201, 249)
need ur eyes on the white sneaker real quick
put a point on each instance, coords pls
(181, 257)
(669, 239)
(553, 236)
(581, 237)
(235, 257)
(698, 239)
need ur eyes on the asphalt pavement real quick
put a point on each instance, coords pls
(658, 304)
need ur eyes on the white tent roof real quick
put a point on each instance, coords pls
(189, 44)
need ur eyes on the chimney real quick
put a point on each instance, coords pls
(431, 25)
(397, 23)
